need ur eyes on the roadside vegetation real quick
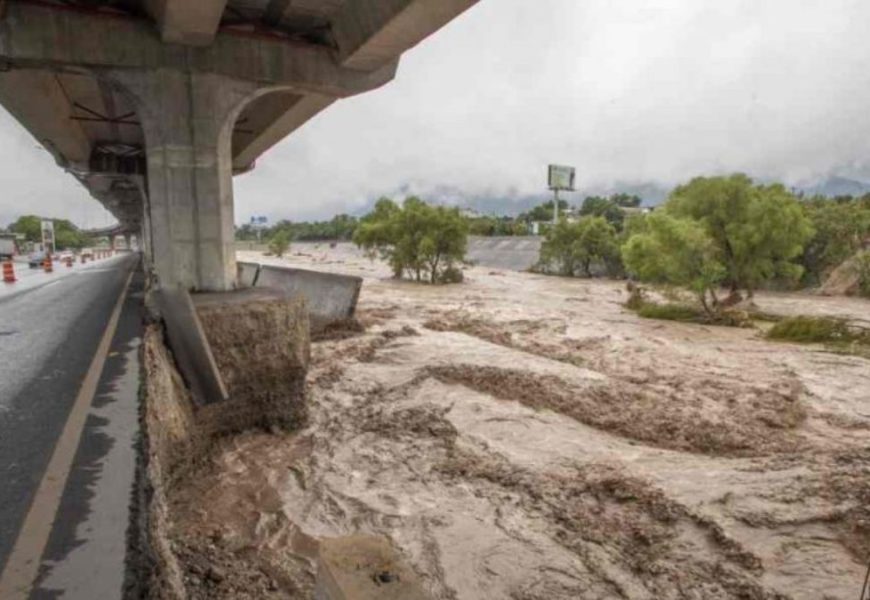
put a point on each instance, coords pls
(418, 240)
(66, 235)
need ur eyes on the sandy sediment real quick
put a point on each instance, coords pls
(526, 437)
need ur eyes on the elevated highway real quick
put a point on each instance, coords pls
(154, 105)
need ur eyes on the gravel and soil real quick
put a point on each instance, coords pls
(526, 437)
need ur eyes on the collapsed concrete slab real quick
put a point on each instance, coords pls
(330, 297)
(191, 348)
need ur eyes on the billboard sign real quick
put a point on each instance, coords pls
(560, 177)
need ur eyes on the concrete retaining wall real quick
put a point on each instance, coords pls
(515, 253)
(330, 297)
(247, 273)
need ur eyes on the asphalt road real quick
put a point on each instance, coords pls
(49, 333)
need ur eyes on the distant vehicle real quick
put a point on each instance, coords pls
(35, 259)
(64, 255)
(87, 253)
(8, 248)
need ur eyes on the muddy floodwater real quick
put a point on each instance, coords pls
(526, 437)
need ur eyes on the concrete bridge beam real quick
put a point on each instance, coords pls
(186, 22)
(52, 37)
(369, 33)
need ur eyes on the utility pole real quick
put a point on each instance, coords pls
(556, 206)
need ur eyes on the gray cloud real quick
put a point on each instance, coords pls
(629, 91)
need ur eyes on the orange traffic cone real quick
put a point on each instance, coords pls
(46, 264)
(8, 272)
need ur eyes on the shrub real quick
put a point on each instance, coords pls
(670, 312)
(279, 244)
(808, 330)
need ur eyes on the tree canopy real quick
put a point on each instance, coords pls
(416, 238)
(572, 246)
(757, 230)
(66, 235)
(677, 252)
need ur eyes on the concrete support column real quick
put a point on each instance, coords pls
(187, 118)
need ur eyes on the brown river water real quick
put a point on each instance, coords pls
(526, 437)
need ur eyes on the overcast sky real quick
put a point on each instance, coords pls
(628, 91)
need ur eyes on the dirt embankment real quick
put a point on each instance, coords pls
(523, 437)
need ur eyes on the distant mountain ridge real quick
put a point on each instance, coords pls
(836, 186)
(651, 193)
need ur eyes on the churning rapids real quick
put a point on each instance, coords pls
(526, 437)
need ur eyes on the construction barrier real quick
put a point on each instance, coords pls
(46, 264)
(8, 272)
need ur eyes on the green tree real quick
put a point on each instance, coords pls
(840, 226)
(544, 212)
(569, 247)
(417, 239)
(30, 226)
(603, 207)
(626, 200)
(677, 252)
(757, 230)
(279, 243)
(66, 235)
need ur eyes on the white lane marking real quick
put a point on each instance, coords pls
(18, 577)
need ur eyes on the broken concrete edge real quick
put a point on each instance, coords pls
(177, 435)
(331, 297)
(190, 346)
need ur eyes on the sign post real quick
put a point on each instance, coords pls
(259, 224)
(48, 236)
(559, 178)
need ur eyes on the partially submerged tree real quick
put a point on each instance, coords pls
(677, 252)
(757, 230)
(569, 247)
(417, 239)
(280, 243)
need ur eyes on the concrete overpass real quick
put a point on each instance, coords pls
(154, 105)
